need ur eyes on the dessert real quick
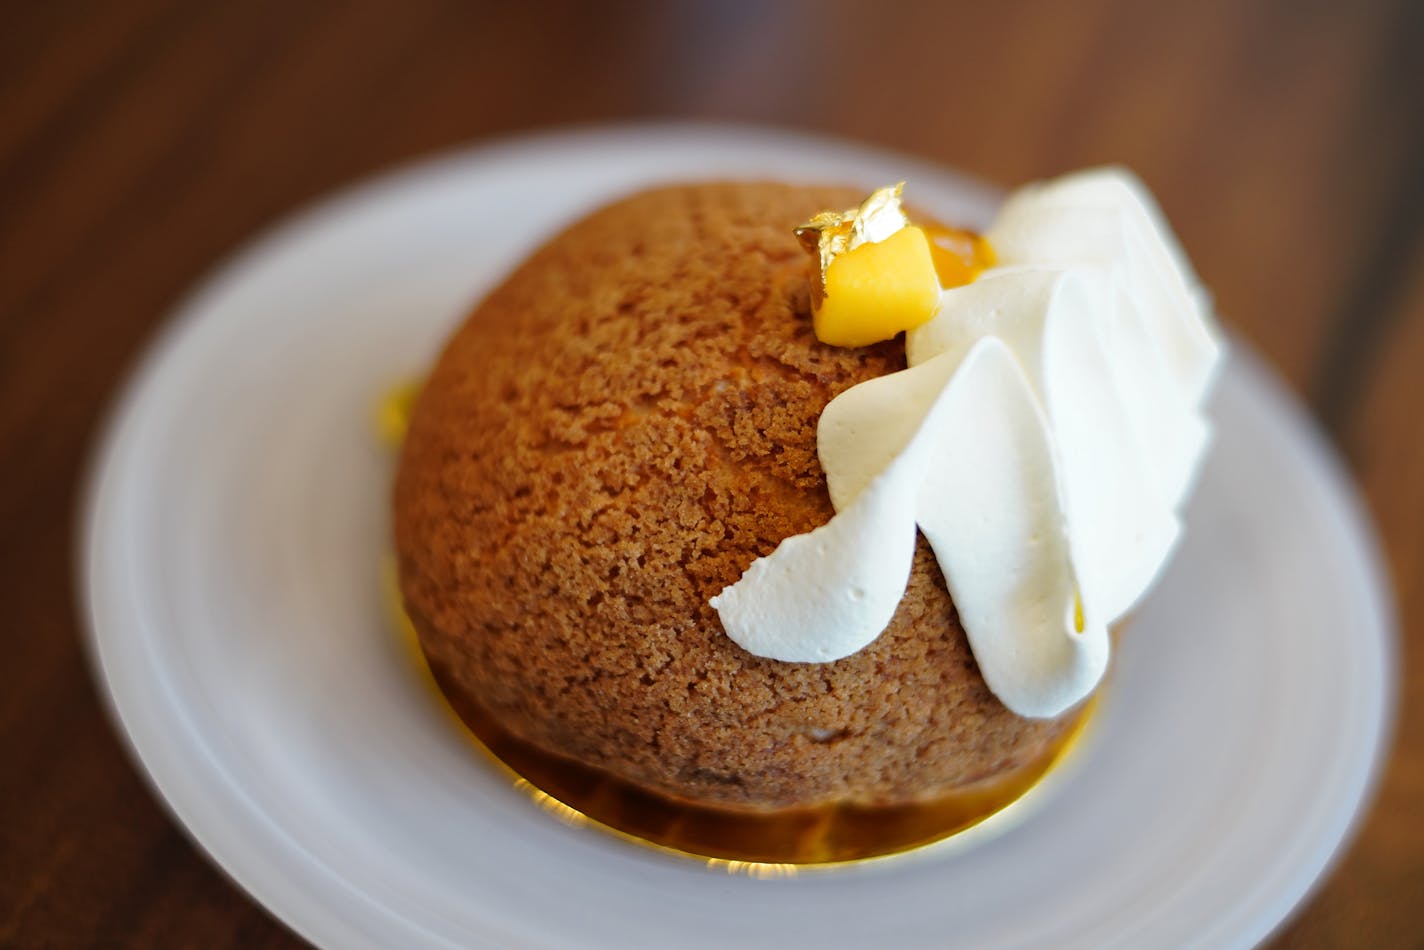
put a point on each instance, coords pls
(630, 556)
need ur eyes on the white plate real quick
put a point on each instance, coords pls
(237, 517)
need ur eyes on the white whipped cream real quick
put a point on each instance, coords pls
(1043, 440)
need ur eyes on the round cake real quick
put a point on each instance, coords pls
(609, 440)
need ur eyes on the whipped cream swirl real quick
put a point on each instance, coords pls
(1043, 439)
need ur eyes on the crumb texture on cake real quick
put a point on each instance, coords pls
(610, 439)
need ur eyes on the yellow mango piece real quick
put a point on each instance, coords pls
(876, 290)
(959, 256)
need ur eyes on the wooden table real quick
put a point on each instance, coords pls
(142, 141)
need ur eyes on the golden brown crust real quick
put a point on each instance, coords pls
(611, 438)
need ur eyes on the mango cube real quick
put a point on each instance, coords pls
(874, 291)
(959, 256)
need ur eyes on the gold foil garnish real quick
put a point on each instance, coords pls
(832, 233)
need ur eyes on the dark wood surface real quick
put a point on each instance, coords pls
(142, 141)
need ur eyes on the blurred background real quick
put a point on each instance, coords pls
(142, 141)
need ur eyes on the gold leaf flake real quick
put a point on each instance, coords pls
(831, 233)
